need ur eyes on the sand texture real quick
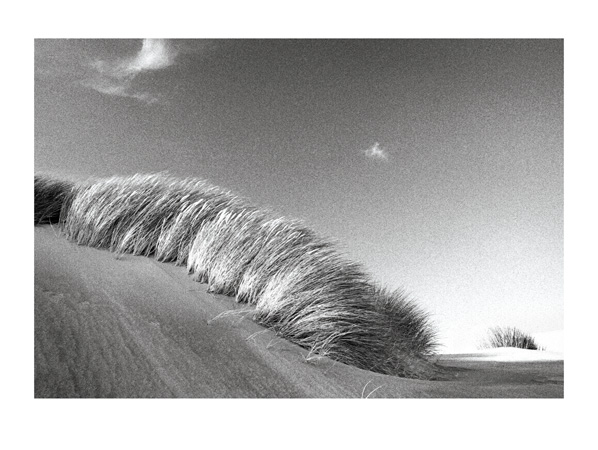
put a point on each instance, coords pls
(129, 326)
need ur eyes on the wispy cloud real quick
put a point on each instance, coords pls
(116, 77)
(376, 152)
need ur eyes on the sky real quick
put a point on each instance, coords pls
(438, 164)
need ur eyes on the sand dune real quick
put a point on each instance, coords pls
(300, 285)
(108, 326)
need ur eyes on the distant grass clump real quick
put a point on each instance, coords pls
(50, 197)
(298, 283)
(509, 337)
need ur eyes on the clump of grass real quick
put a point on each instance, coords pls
(298, 283)
(50, 196)
(342, 315)
(224, 247)
(145, 214)
(410, 327)
(281, 243)
(325, 303)
(200, 204)
(509, 337)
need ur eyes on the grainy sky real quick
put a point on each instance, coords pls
(436, 163)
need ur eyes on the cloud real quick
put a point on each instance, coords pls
(376, 152)
(116, 77)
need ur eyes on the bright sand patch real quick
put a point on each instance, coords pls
(509, 354)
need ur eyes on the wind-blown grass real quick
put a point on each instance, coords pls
(298, 283)
(509, 337)
(50, 197)
(307, 292)
(145, 214)
(224, 247)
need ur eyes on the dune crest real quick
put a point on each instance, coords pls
(299, 284)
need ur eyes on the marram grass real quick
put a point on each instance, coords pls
(509, 337)
(298, 283)
(145, 214)
(50, 196)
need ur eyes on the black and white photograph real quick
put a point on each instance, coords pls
(299, 218)
(266, 216)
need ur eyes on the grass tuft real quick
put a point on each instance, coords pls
(224, 247)
(509, 337)
(296, 283)
(145, 214)
(51, 195)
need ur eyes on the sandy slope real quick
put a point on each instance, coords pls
(133, 327)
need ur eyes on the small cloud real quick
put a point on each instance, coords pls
(116, 77)
(376, 152)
